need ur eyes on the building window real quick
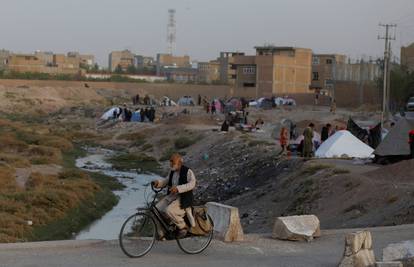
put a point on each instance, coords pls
(249, 84)
(249, 70)
(315, 76)
(328, 83)
(315, 61)
(329, 61)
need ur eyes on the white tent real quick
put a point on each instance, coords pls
(344, 144)
(110, 113)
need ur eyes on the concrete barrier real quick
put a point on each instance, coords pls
(226, 220)
(403, 251)
(296, 228)
(358, 250)
(389, 264)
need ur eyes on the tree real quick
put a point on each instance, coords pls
(95, 67)
(132, 69)
(119, 70)
(402, 86)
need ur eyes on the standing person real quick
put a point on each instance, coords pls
(325, 132)
(213, 108)
(142, 113)
(411, 142)
(333, 106)
(307, 141)
(283, 139)
(316, 99)
(151, 114)
(199, 100)
(181, 182)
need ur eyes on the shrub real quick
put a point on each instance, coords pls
(311, 170)
(184, 142)
(135, 161)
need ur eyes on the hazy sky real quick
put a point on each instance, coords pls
(204, 28)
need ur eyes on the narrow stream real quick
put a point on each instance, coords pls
(131, 197)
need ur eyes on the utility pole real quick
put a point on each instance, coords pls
(385, 96)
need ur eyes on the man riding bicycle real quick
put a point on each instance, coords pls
(180, 182)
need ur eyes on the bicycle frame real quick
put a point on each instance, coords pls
(158, 217)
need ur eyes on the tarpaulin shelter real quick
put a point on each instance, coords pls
(373, 135)
(167, 102)
(395, 145)
(233, 104)
(219, 105)
(109, 114)
(343, 144)
(264, 103)
(186, 101)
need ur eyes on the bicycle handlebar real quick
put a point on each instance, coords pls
(156, 190)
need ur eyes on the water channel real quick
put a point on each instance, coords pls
(131, 197)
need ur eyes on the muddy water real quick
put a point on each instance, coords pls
(133, 196)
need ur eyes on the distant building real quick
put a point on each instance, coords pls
(46, 57)
(86, 61)
(4, 55)
(324, 66)
(274, 70)
(40, 63)
(169, 61)
(407, 57)
(180, 75)
(209, 72)
(323, 69)
(124, 59)
(227, 72)
(141, 62)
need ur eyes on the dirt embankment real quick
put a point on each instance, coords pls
(42, 100)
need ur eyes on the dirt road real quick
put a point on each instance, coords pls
(259, 250)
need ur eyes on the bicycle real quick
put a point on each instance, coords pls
(139, 232)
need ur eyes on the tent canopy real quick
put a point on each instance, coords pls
(343, 143)
(396, 141)
(186, 101)
(109, 114)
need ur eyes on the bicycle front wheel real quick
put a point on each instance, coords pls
(195, 244)
(138, 234)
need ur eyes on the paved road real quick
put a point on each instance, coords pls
(257, 251)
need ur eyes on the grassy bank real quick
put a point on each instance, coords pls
(50, 198)
(84, 214)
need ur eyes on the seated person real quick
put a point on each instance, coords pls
(180, 182)
(259, 123)
(225, 126)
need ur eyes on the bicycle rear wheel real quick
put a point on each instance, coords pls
(138, 235)
(195, 244)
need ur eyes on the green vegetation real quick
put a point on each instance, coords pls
(46, 207)
(402, 84)
(184, 142)
(65, 77)
(259, 143)
(340, 171)
(141, 162)
(313, 169)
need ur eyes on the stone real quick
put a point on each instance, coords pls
(226, 221)
(354, 242)
(389, 264)
(358, 250)
(296, 228)
(403, 251)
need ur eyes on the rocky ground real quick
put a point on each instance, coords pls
(245, 169)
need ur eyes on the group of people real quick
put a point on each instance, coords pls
(139, 115)
(136, 100)
(308, 145)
